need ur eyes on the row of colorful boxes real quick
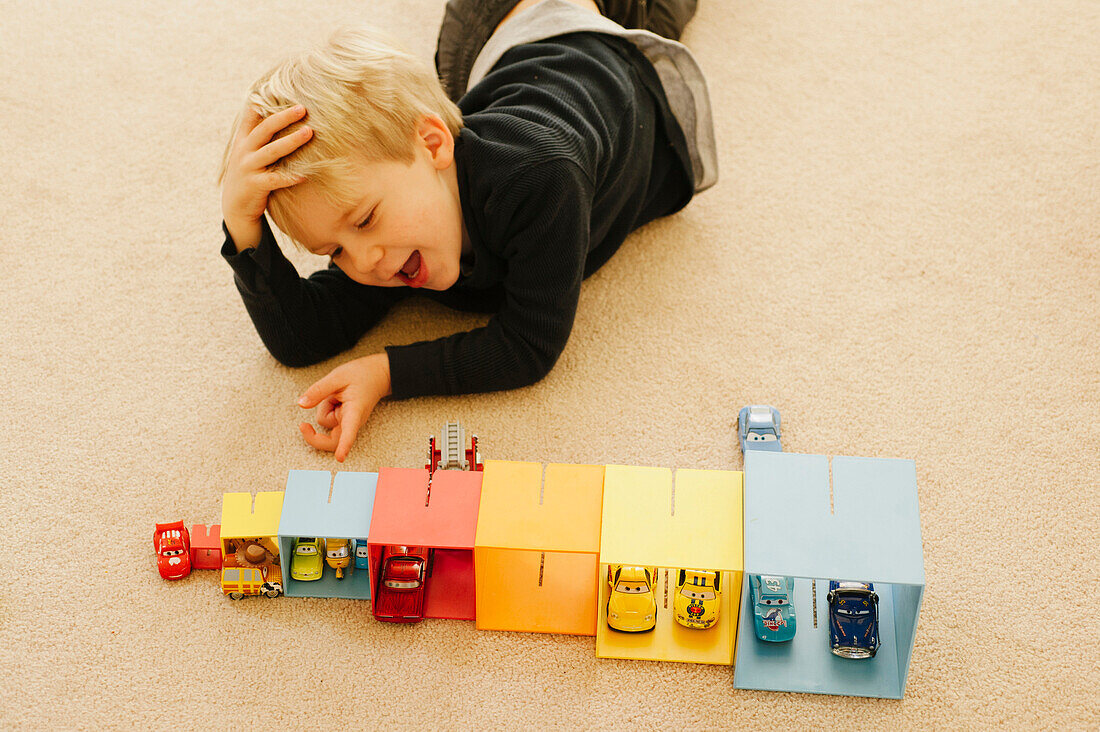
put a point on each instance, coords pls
(524, 546)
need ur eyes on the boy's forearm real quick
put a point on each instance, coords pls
(245, 234)
(302, 321)
(476, 361)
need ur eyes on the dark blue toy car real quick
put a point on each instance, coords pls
(758, 428)
(853, 619)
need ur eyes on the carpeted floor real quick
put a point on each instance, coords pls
(901, 255)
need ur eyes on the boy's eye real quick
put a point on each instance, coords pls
(366, 222)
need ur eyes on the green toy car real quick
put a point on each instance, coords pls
(307, 562)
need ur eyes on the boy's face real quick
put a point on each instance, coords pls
(405, 225)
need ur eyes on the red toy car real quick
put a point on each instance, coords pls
(172, 544)
(402, 579)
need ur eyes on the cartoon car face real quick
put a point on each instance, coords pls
(306, 564)
(772, 600)
(172, 543)
(338, 555)
(362, 555)
(631, 605)
(238, 582)
(402, 583)
(758, 428)
(337, 552)
(853, 619)
(698, 598)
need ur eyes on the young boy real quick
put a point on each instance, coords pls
(570, 132)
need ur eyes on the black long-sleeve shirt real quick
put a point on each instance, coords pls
(568, 146)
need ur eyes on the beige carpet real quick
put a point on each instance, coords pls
(901, 255)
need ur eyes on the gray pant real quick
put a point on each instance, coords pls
(467, 25)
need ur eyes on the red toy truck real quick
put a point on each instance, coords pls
(399, 597)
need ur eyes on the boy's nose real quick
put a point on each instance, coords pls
(373, 258)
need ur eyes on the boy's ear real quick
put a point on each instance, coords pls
(438, 140)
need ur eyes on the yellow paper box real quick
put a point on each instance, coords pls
(690, 521)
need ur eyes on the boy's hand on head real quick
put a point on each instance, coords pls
(345, 398)
(247, 180)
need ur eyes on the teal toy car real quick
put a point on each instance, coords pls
(772, 601)
(307, 561)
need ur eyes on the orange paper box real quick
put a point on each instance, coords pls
(537, 547)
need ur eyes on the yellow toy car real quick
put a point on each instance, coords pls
(698, 598)
(337, 555)
(632, 606)
(237, 582)
(306, 564)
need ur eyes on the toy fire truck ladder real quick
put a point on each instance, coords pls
(449, 452)
(452, 454)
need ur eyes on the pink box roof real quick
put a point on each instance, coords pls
(448, 521)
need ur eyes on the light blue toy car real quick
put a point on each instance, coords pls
(772, 601)
(758, 428)
(362, 554)
(771, 596)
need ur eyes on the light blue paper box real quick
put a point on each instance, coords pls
(870, 533)
(309, 511)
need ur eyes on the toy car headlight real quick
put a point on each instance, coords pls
(649, 617)
(613, 615)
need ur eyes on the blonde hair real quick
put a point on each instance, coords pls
(364, 97)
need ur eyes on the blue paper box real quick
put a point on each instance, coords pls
(846, 518)
(310, 510)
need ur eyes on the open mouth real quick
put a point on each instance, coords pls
(413, 273)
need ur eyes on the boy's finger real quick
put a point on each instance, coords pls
(346, 432)
(262, 133)
(328, 417)
(317, 440)
(250, 117)
(278, 149)
(275, 179)
(328, 385)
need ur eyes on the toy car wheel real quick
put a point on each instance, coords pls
(236, 595)
(272, 593)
